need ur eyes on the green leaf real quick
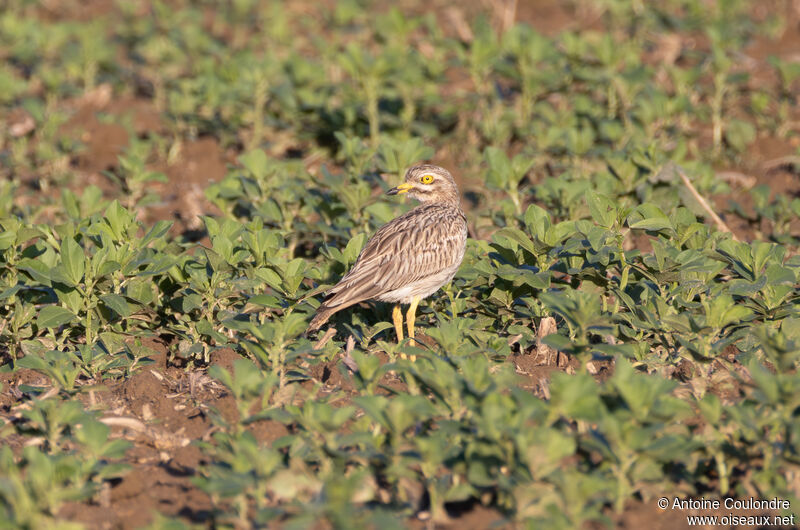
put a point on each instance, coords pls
(255, 162)
(576, 396)
(38, 271)
(73, 259)
(765, 382)
(739, 134)
(118, 219)
(116, 303)
(711, 408)
(602, 209)
(499, 173)
(537, 221)
(516, 235)
(265, 300)
(156, 232)
(650, 217)
(7, 239)
(53, 316)
(353, 248)
(653, 224)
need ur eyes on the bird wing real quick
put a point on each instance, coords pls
(411, 247)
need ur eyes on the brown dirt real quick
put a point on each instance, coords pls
(328, 374)
(551, 17)
(197, 163)
(103, 142)
(201, 162)
(81, 10)
(10, 383)
(172, 403)
(99, 127)
(535, 371)
(762, 155)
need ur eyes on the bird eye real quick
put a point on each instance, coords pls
(426, 179)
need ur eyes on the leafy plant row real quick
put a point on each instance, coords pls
(75, 292)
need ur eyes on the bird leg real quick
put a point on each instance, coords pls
(397, 317)
(412, 315)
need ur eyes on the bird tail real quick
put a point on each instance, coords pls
(333, 304)
(321, 317)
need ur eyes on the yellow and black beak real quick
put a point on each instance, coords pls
(405, 187)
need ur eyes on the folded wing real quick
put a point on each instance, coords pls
(414, 246)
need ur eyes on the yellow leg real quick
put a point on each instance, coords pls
(412, 315)
(397, 317)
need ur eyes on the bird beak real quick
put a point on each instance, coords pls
(405, 187)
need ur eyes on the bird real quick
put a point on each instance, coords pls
(410, 257)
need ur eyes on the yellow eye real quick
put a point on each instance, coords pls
(426, 179)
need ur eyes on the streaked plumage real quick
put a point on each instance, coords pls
(410, 257)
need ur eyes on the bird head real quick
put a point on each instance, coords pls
(428, 183)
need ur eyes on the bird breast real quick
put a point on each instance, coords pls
(412, 255)
(428, 256)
